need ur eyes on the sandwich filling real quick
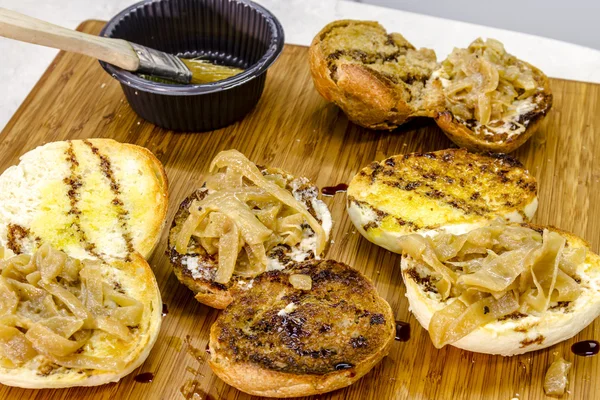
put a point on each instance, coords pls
(494, 273)
(58, 313)
(249, 221)
(490, 91)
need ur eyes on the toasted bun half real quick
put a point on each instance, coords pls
(501, 134)
(376, 78)
(452, 190)
(517, 333)
(95, 198)
(279, 341)
(133, 279)
(196, 268)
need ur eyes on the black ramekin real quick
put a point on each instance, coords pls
(233, 32)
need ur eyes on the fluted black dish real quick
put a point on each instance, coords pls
(239, 33)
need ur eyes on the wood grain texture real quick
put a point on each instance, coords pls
(294, 129)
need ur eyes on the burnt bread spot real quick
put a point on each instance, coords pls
(16, 233)
(425, 282)
(340, 321)
(377, 319)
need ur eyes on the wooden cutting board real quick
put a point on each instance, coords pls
(293, 128)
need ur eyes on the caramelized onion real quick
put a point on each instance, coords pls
(556, 380)
(485, 84)
(14, 345)
(51, 305)
(243, 215)
(491, 272)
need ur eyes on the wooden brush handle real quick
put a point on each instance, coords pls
(27, 29)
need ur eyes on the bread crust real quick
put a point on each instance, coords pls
(368, 98)
(262, 382)
(139, 272)
(517, 336)
(305, 374)
(463, 136)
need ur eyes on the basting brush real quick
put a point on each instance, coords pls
(121, 53)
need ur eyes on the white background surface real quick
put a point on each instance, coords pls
(574, 21)
(22, 64)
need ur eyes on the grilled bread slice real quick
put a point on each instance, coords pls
(197, 269)
(279, 341)
(490, 100)
(94, 198)
(448, 189)
(376, 78)
(522, 330)
(123, 320)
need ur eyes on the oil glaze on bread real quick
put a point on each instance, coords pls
(376, 78)
(94, 198)
(279, 341)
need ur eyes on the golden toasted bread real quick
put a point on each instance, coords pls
(279, 341)
(197, 269)
(67, 323)
(93, 198)
(446, 189)
(499, 324)
(488, 100)
(376, 78)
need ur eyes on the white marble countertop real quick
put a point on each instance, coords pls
(23, 64)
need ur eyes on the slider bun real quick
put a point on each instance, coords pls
(279, 341)
(452, 190)
(463, 136)
(196, 268)
(136, 280)
(105, 178)
(516, 336)
(376, 78)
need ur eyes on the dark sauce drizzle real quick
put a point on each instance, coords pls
(586, 348)
(165, 310)
(332, 190)
(123, 214)
(402, 331)
(144, 377)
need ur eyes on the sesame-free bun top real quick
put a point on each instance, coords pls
(94, 198)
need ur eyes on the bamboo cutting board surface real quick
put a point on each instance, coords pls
(295, 129)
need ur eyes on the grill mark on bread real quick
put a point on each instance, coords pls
(122, 213)
(74, 182)
(539, 339)
(473, 184)
(513, 316)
